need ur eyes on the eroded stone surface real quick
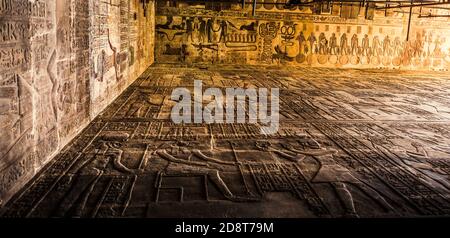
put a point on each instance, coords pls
(365, 143)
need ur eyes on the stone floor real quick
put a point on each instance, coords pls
(365, 143)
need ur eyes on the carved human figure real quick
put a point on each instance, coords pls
(195, 34)
(213, 30)
(354, 44)
(329, 172)
(55, 84)
(301, 42)
(223, 30)
(189, 23)
(86, 175)
(312, 42)
(397, 46)
(107, 152)
(323, 44)
(437, 46)
(115, 154)
(183, 53)
(425, 46)
(365, 46)
(105, 157)
(387, 46)
(376, 46)
(418, 45)
(408, 51)
(344, 44)
(333, 44)
(115, 57)
(208, 29)
(203, 36)
(100, 69)
(180, 161)
(430, 44)
(416, 161)
(419, 160)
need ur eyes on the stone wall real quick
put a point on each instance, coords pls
(340, 36)
(61, 63)
(122, 47)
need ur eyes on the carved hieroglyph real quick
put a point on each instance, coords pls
(297, 37)
(351, 143)
(57, 71)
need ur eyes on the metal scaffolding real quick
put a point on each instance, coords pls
(376, 4)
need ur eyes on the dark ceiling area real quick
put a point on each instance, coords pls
(347, 8)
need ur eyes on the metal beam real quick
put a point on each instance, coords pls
(409, 21)
(388, 4)
(308, 3)
(430, 16)
(414, 5)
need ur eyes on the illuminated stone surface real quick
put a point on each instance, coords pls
(298, 37)
(351, 143)
(61, 63)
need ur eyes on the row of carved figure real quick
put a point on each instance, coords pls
(213, 31)
(422, 46)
